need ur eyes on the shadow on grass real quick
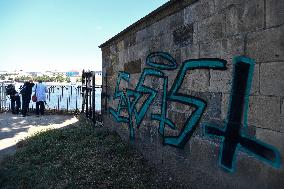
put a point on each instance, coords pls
(79, 156)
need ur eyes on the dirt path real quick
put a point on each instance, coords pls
(14, 128)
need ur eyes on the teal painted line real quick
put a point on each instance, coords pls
(233, 139)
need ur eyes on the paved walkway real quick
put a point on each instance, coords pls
(14, 128)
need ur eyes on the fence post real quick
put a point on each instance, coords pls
(67, 105)
(94, 96)
(82, 91)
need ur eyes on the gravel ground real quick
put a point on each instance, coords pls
(15, 128)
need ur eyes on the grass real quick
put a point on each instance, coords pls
(79, 156)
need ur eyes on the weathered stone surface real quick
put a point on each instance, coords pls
(232, 47)
(183, 35)
(109, 71)
(189, 52)
(133, 66)
(266, 45)
(255, 88)
(211, 50)
(225, 105)
(273, 138)
(198, 11)
(243, 16)
(168, 24)
(207, 29)
(221, 80)
(264, 112)
(207, 154)
(220, 5)
(272, 79)
(130, 40)
(166, 42)
(155, 44)
(282, 116)
(275, 177)
(274, 12)
(213, 107)
(196, 80)
(212, 28)
(178, 119)
(144, 34)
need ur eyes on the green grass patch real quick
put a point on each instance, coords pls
(79, 156)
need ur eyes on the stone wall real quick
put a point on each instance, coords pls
(198, 87)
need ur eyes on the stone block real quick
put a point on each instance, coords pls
(189, 52)
(133, 66)
(244, 16)
(168, 24)
(143, 34)
(121, 56)
(109, 71)
(178, 119)
(155, 44)
(272, 79)
(130, 40)
(231, 47)
(120, 46)
(213, 104)
(264, 112)
(221, 80)
(183, 35)
(211, 50)
(220, 5)
(266, 45)
(166, 42)
(198, 11)
(179, 107)
(274, 138)
(212, 28)
(213, 108)
(274, 13)
(196, 80)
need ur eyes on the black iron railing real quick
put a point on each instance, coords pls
(90, 95)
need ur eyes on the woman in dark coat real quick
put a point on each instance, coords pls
(26, 92)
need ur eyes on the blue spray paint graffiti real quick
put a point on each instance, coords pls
(233, 137)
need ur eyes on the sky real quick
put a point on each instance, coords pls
(63, 35)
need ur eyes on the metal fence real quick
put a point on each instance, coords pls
(62, 99)
(89, 97)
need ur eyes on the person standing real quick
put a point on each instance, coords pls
(15, 98)
(40, 91)
(26, 92)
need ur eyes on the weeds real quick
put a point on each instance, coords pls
(79, 156)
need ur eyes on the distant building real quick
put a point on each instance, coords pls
(73, 73)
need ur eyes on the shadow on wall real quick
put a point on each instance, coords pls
(233, 136)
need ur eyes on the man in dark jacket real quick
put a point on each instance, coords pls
(26, 92)
(15, 98)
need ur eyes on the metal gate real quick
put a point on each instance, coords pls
(89, 88)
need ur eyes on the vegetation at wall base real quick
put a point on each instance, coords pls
(78, 156)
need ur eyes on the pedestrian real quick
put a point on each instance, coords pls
(15, 99)
(40, 91)
(26, 92)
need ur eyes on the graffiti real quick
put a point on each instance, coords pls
(233, 137)
(129, 98)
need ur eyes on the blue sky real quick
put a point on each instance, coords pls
(39, 35)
